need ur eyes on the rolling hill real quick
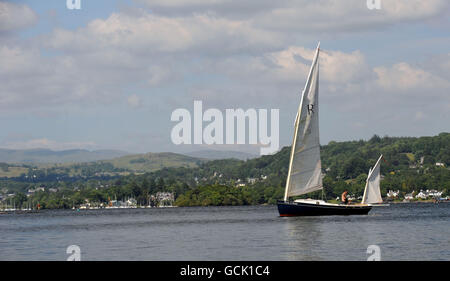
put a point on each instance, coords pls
(221, 154)
(150, 162)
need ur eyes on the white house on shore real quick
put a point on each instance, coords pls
(429, 193)
(434, 193)
(393, 194)
(421, 195)
(409, 196)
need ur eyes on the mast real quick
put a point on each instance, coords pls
(297, 119)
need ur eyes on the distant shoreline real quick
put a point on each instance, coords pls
(167, 207)
(419, 202)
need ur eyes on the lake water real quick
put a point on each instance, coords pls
(402, 231)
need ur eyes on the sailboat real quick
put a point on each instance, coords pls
(305, 168)
(372, 194)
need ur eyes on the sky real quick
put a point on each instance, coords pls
(109, 75)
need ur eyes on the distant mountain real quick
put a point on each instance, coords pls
(221, 154)
(87, 164)
(150, 162)
(51, 156)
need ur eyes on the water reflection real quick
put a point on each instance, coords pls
(302, 234)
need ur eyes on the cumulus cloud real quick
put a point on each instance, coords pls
(28, 80)
(335, 66)
(15, 16)
(231, 53)
(149, 49)
(94, 62)
(403, 77)
(291, 65)
(242, 9)
(147, 34)
(309, 16)
(351, 15)
(347, 81)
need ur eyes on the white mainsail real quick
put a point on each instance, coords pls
(372, 194)
(304, 173)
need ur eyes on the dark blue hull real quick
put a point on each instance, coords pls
(289, 209)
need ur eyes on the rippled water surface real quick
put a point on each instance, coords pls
(402, 231)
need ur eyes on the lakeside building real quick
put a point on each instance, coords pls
(409, 196)
(421, 195)
(429, 193)
(393, 194)
(165, 199)
(434, 193)
(131, 202)
(252, 180)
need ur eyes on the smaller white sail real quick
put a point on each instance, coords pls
(372, 194)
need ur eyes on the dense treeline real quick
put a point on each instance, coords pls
(410, 165)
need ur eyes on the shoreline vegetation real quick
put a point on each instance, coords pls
(26, 211)
(411, 165)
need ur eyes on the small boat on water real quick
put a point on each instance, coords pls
(305, 168)
(372, 193)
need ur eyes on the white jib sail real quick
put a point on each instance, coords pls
(372, 194)
(304, 173)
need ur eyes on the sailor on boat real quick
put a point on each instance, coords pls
(344, 197)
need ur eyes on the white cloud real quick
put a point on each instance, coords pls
(291, 65)
(30, 80)
(332, 64)
(234, 53)
(94, 62)
(349, 15)
(309, 16)
(15, 16)
(403, 77)
(347, 82)
(148, 49)
(147, 34)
